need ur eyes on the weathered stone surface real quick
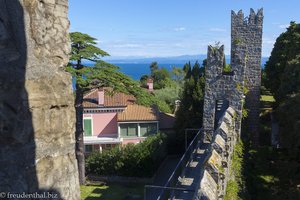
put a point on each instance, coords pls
(213, 184)
(248, 31)
(210, 186)
(246, 45)
(222, 86)
(37, 118)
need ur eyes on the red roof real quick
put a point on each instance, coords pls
(116, 99)
(139, 113)
(132, 112)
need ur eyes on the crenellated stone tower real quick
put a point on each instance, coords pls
(248, 32)
(224, 100)
(226, 89)
(222, 89)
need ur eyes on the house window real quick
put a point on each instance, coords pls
(128, 130)
(147, 129)
(87, 126)
(88, 148)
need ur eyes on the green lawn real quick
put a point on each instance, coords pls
(113, 191)
(268, 98)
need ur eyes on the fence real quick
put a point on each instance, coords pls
(164, 192)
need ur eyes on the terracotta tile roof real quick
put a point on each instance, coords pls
(138, 113)
(118, 99)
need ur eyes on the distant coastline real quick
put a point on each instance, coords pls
(164, 60)
(136, 67)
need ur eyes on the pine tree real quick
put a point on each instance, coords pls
(87, 78)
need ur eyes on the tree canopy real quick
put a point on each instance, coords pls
(283, 79)
(189, 114)
(283, 67)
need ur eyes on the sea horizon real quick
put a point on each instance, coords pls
(137, 69)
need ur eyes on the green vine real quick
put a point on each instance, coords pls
(244, 90)
(236, 183)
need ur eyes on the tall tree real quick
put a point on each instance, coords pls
(283, 79)
(187, 69)
(283, 67)
(196, 71)
(153, 67)
(189, 114)
(161, 78)
(86, 77)
(177, 74)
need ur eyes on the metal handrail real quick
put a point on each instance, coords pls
(165, 188)
(172, 181)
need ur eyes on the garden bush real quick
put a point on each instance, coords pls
(133, 160)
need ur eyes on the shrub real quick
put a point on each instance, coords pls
(140, 160)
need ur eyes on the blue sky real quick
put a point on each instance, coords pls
(159, 28)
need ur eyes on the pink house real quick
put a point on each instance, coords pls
(111, 120)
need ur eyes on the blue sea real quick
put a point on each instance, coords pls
(135, 71)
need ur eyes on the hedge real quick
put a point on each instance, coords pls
(133, 160)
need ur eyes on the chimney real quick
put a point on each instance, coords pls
(101, 96)
(177, 104)
(150, 84)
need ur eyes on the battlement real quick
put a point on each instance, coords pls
(215, 61)
(253, 19)
(220, 87)
(215, 52)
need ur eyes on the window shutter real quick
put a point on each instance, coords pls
(87, 127)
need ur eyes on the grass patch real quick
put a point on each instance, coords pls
(269, 179)
(112, 191)
(268, 98)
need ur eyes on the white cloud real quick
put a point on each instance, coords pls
(126, 45)
(217, 30)
(177, 29)
(283, 26)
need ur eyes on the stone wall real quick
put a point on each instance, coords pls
(248, 32)
(37, 118)
(220, 86)
(217, 167)
(221, 133)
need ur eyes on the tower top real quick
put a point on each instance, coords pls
(217, 52)
(253, 19)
